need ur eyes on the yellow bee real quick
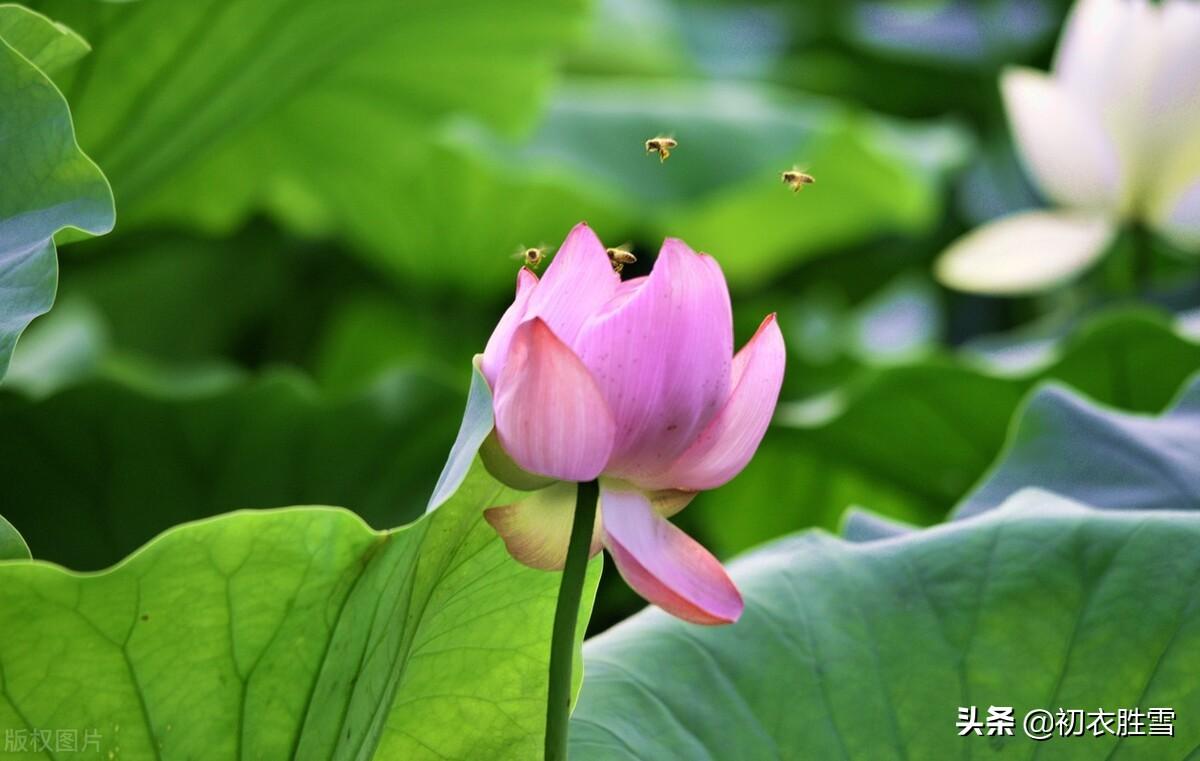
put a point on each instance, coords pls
(531, 257)
(619, 256)
(797, 179)
(661, 145)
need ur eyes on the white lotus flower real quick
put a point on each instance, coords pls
(1112, 137)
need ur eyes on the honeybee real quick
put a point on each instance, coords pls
(531, 257)
(661, 145)
(797, 179)
(619, 256)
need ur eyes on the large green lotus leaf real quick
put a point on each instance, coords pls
(295, 633)
(911, 440)
(203, 113)
(48, 182)
(1109, 459)
(720, 190)
(92, 472)
(1063, 443)
(866, 651)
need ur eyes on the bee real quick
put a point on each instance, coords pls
(619, 256)
(531, 257)
(797, 179)
(661, 145)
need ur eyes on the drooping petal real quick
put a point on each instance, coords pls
(1025, 252)
(551, 417)
(663, 564)
(668, 502)
(665, 502)
(661, 352)
(576, 285)
(537, 529)
(731, 439)
(1063, 144)
(496, 350)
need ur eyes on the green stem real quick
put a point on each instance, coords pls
(566, 617)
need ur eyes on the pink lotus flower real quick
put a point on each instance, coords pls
(634, 383)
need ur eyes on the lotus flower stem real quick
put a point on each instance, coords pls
(566, 617)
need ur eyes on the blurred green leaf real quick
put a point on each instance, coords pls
(371, 334)
(721, 190)
(900, 322)
(65, 346)
(261, 299)
(995, 184)
(48, 184)
(457, 221)
(657, 38)
(96, 470)
(296, 633)
(951, 33)
(47, 45)
(204, 113)
(12, 545)
(869, 650)
(910, 440)
(251, 293)
(632, 37)
(1109, 459)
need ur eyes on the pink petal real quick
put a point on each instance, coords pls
(577, 283)
(663, 564)
(731, 439)
(496, 350)
(550, 416)
(537, 529)
(661, 352)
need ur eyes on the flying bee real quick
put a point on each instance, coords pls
(619, 256)
(531, 257)
(661, 145)
(797, 179)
